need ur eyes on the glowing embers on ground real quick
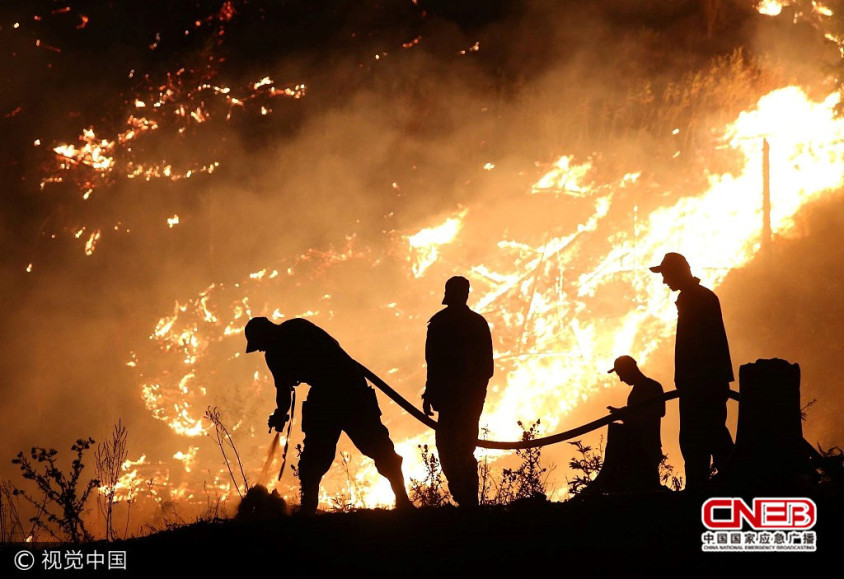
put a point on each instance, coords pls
(562, 302)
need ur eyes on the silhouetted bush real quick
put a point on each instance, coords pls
(62, 498)
(260, 504)
(528, 480)
(109, 458)
(587, 465)
(430, 491)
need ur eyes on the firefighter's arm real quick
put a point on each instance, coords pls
(284, 383)
(281, 415)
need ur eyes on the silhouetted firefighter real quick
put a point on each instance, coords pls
(458, 351)
(702, 372)
(339, 401)
(642, 443)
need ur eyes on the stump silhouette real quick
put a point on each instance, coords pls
(770, 455)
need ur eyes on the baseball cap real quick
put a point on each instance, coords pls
(622, 363)
(256, 331)
(671, 262)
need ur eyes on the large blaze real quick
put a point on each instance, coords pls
(560, 310)
(558, 268)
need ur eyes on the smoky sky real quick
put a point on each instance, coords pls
(405, 104)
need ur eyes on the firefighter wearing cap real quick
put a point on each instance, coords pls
(458, 352)
(339, 401)
(642, 427)
(702, 372)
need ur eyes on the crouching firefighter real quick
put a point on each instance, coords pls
(339, 400)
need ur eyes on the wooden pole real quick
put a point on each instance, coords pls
(766, 197)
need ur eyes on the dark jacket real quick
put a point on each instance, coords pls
(701, 354)
(645, 424)
(303, 352)
(458, 350)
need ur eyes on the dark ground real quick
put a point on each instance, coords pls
(633, 536)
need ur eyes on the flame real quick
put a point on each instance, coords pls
(91, 244)
(95, 153)
(424, 244)
(187, 458)
(821, 9)
(555, 365)
(564, 178)
(561, 308)
(129, 483)
(184, 99)
(771, 7)
(775, 7)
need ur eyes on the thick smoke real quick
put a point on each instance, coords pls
(405, 105)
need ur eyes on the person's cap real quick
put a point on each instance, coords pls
(456, 290)
(256, 331)
(622, 363)
(672, 262)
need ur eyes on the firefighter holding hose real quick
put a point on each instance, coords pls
(339, 400)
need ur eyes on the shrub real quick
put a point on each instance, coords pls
(588, 465)
(109, 458)
(525, 481)
(63, 499)
(430, 491)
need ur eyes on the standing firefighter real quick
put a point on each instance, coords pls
(339, 401)
(702, 372)
(458, 351)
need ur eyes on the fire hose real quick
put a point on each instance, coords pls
(520, 444)
(620, 414)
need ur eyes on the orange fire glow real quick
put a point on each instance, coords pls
(547, 302)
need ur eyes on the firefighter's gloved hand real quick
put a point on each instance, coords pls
(277, 420)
